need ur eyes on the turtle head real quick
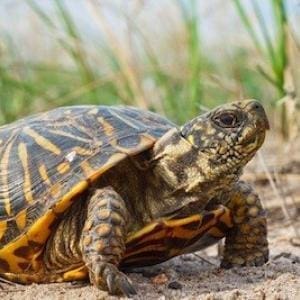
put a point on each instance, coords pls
(228, 136)
(212, 148)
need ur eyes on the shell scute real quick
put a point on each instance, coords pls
(47, 159)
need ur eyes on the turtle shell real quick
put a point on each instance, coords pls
(48, 159)
(167, 238)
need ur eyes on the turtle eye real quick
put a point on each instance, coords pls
(226, 119)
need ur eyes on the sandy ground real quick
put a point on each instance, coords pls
(197, 276)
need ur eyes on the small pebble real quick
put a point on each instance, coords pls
(160, 279)
(175, 285)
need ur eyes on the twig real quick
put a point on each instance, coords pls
(286, 204)
(205, 260)
(280, 197)
(273, 185)
(262, 177)
(6, 281)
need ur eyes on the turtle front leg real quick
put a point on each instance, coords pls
(246, 243)
(103, 241)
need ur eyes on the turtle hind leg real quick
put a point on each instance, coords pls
(103, 241)
(246, 243)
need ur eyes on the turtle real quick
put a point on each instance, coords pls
(89, 192)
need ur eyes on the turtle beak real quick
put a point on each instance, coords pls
(254, 107)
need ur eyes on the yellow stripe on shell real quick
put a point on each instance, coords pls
(69, 135)
(63, 167)
(130, 255)
(42, 141)
(55, 190)
(176, 226)
(40, 231)
(27, 187)
(87, 168)
(3, 227)
(21, 219)
(145, 233)
(145, 141)
(4, 173)
(94, 174)
(107, 127)
(65, 202)
(140, 233)
(83, 151)
(44, 174)
(183, 221)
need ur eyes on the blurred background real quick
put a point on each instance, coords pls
(176, 57)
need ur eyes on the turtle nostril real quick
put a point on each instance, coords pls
(256, 106)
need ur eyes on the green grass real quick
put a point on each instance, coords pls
(274, 49)
(138, 75)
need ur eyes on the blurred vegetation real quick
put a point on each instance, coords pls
(274, 52)
(173, 73)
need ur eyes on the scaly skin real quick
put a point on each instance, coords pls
(246, 243)
(103, 241)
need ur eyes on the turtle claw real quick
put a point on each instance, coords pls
(116, 281)
(240, 261)
(125, 286)
(119, 282)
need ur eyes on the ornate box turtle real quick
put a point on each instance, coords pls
(88, 191)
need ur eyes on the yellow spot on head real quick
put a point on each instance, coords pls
(191, 139)
(211, 131)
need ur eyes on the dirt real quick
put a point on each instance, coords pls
(198, 276)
